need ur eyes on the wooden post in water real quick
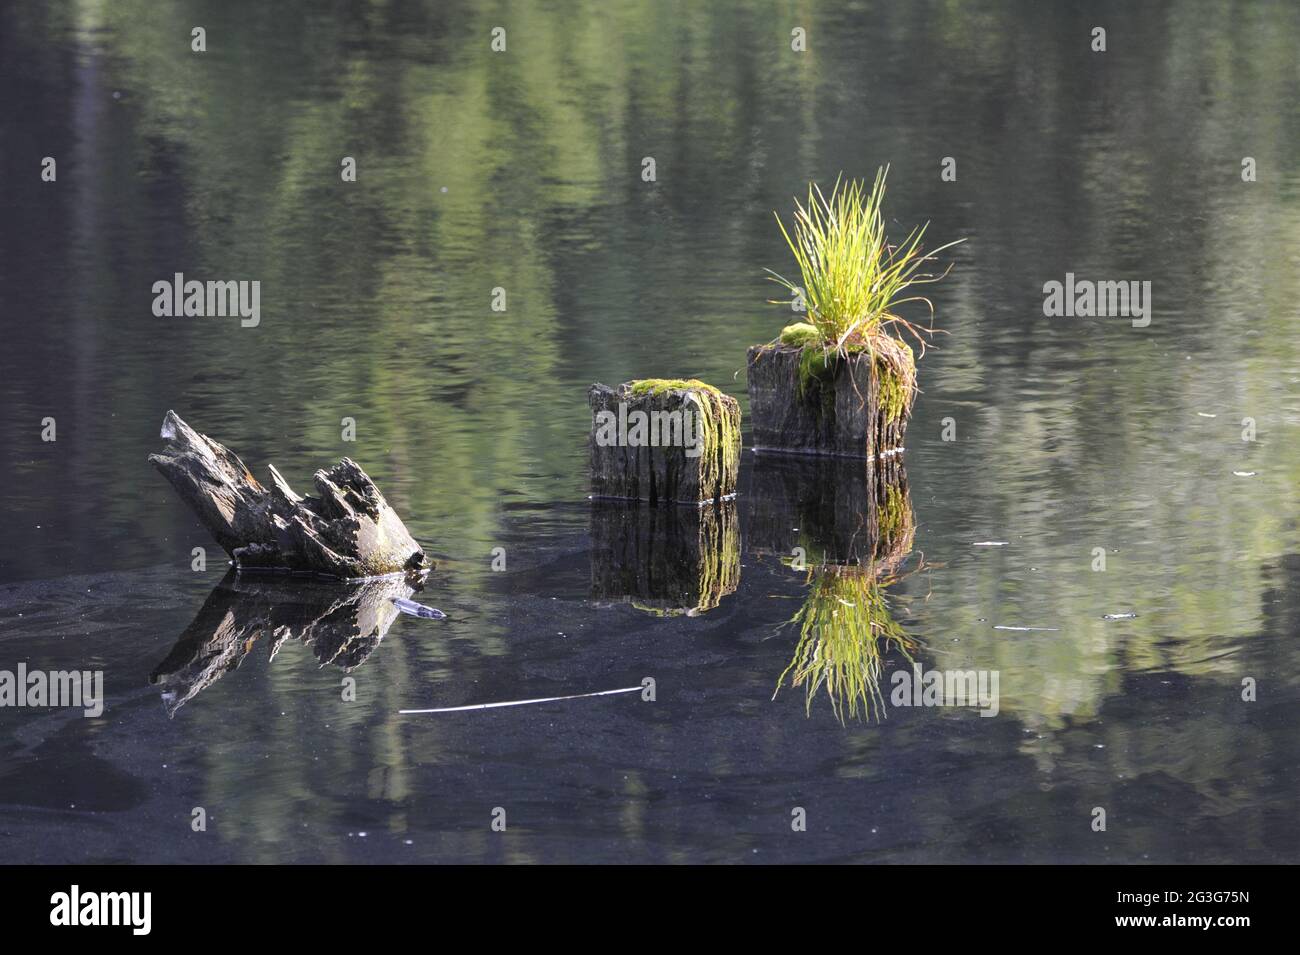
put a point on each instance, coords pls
(664, 441)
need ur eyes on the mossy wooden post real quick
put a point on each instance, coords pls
(803, 402)
(843, 381)
(349, 531)
(667, 561)
(664, 441)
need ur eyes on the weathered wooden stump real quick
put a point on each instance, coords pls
(667, 561)
(342, 625)
(853, 407)
(664, 441)
(349, 531)
(837, 511)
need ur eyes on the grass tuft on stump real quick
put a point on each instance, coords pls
(851, 281)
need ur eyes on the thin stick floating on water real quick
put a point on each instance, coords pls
(542, 699)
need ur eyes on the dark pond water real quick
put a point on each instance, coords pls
(522, 170)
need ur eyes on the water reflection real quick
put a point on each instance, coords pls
(830, 510)
(343, 624)
(851, 523)
(846, 631)
(478, 170)
(667, 561)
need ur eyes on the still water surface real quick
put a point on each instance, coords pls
(522, 171)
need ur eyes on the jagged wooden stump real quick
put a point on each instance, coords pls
(664, 441)
(844, 416)
(349, 531)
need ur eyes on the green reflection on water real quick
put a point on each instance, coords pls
(376, 294)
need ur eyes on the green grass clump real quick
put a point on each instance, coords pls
(845, 632)
(852, 281)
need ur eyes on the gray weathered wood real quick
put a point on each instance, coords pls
(666, 474)
(348, 531)
(848, 422)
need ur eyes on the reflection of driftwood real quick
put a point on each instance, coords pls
(342, 625)
(348, 531)
(665, 560)
(842, 417)
(839, 511)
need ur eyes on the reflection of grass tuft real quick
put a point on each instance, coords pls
(845, 632)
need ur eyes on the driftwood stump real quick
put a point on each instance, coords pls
(343, 626)
(665, 442)
(665, 561)
(843, 416)
(349, 531)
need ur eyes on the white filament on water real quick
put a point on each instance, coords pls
(541, 699)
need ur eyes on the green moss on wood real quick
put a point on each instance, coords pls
(657, 386)
(800, 333)
(719, 422)
(896, 387)
(894, 366)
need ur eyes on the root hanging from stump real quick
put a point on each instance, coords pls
(348, 531)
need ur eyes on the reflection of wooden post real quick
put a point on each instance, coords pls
(348, 531)
(843, 417)
(667, 561)
(650, 465)
(343, 626)
(840, 511)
